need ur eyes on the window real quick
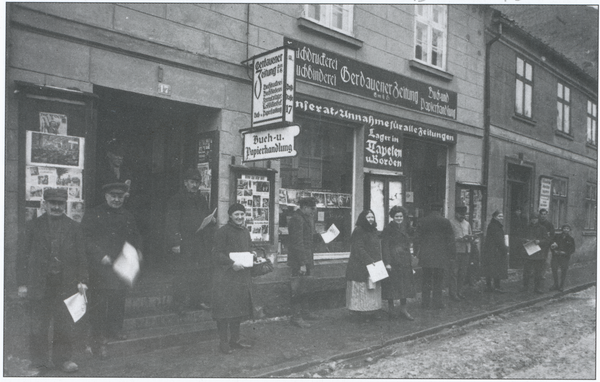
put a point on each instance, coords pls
(430, 35)
(335, 16)
(563, 105)
(592, 123)
(524, 88)
(559, 201)
(590, 206)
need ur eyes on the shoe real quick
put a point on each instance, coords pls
(69, 367)
(406, 315)
(499, 290)
(299, 322)
(239, 345)
(224, 348)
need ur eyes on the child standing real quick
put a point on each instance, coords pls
(562, 249)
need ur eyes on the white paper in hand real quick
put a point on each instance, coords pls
(330, 234)
(76, 305)
(377, 271)
(127, 265)
(244, 258)
(531, 247)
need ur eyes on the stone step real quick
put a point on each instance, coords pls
(158, 319)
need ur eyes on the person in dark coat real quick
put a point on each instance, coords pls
(106, 228)
(534, 263)
(50, 268)
(363, 297)
(518, 226)
(395, 251)
(435, 243)
(562, 248)
(113, 169)
(463, 236)
(186, 210)
(495, 254)
(232, 282)
(302, 237)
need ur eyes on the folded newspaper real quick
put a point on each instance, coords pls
(127, 265)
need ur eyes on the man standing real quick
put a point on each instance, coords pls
(545, 221)
(435, 245)
(191, 248)
(463, 237)
(52, 267)
(301, 228)
(107, 227)
(534, 263)
(518, 227)
(112, 170)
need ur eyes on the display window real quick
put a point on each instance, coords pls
(323, 170)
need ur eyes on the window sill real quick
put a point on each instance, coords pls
(589, 233)
(591, 146)
(311, 26)
(431, 70)
(525, 120)
(564, 135)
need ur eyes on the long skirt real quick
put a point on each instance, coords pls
(359, 298)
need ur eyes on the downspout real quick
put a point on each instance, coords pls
(487, 117)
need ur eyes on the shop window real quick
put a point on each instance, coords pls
(592, 123)
(563, 105)
(381, 194)
(590, 207)
(338, 17)
(430, 34)
(559, 201)
(524, 88)
(472, 198)
(323, 170)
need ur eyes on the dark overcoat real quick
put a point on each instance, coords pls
(231, 290)
(494, 257)
(435, 241)
(365, 249)
(538, 232)
(565, 243)
(106, 230)
(301, 230)
(395, 251)
(52, 239)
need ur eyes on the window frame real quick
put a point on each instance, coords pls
(525, 81)
(563, 106)
(591, 207)
(559, 202)
(326, 16)
(592, 123)
(426, 19)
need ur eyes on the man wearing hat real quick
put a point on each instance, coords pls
(190, 247)
(51, 267)
(106, 228)
(534, 262)
(463, 235)
(112, 170)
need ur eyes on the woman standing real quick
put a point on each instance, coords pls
(363, 296)
(395, 250)
(495, 254)
(231, 286)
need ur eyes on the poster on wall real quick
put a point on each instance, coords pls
(38, 178)
(545, 192)
(53, 123)
(44, 149)
(253, 192)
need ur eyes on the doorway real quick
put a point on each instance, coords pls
(518, 190)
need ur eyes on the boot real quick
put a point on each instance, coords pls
(405, 313)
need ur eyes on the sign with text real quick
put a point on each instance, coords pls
(332, 70)
(270, 144)
(383, 148)
(273, 87)
(545, 192)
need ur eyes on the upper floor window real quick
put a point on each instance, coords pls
(430, 34)
(559, 201)
(334, 16)
(592, 123)
(590, 207)
(524, 88)
(563, 105)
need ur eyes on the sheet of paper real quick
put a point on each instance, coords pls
(506, 240)
(531, 247)
(76, 305)
(206, 221)
(330, 234)
(244, 258)
(127, 265)
(377, 271)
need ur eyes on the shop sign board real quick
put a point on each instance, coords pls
(270, 144)
(383, 148)
(545, 192)
(332, 70)
(273, 87)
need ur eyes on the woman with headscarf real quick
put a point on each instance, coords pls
(231, 286)
(363, 297)
(395, 250)
(495, 254)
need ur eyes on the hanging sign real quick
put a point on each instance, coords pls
(270, 144)
(545, 191)
(383, 148)
(273, 87)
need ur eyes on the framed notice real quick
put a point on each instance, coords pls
(545, 192)
(44, 149)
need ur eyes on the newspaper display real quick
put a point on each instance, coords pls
(253, 192)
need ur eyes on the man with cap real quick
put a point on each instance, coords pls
(112, 170)
(190, 247)
(107, 227)
(435, 247)
(302, 236)
(562, 248)
(545, 221)
(463, 236)
(51, 267)
(534, 262)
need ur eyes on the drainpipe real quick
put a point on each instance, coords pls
(486, 114)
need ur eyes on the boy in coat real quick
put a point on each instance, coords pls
(562, 249)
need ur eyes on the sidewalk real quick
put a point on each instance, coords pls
(280, 348)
